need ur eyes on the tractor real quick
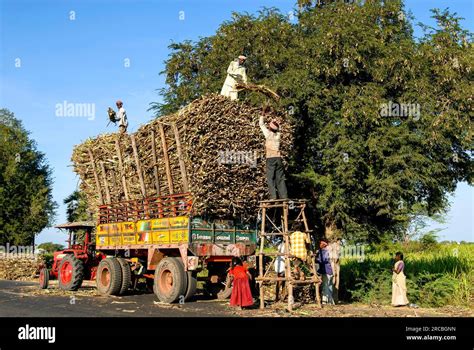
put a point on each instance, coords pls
(76, 263)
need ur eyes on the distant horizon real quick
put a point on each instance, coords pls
(80, 52)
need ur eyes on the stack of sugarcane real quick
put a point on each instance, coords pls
(212, 148)
(20, 269)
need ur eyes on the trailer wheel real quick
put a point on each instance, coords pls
(191, 285)
(70, 273)
(44, 278)
(170, 280)
(126, 275)
(109, 277)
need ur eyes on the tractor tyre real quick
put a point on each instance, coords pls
(109, 277)
(44, 278)
(191, 285)
(170, 280)
(126, 275)
(70, 273)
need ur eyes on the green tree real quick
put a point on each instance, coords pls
(76, 207)
(25, 184)
(342, 70)
(50, 247)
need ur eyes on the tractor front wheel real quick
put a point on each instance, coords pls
(109, 277)
(70, 273)
(44, 278)
(170, 280)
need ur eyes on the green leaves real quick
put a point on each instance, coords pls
(336, 67)
(25, 185)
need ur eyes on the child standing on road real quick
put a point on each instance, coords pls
(241, 294)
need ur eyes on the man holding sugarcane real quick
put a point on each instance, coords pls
(275, 170)
(236, 73)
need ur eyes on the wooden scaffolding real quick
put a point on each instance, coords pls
(286, 210)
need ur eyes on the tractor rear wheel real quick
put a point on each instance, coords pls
(126, 275)
(70, 273)
(191, 285)
(109, 277)
(44, 278)
(170, 280)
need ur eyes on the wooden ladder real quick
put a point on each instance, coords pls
(287, 208)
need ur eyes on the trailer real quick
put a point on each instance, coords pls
(157, 238)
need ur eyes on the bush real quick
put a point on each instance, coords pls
(48, 259)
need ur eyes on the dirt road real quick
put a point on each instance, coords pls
(24, 299)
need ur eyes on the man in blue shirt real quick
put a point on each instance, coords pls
(325, 270)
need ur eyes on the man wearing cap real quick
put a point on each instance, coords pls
(236, 73)
(122, 117)
(275, 173)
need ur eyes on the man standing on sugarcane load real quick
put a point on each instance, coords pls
(236, 73)
(275, 171)
(122, 117)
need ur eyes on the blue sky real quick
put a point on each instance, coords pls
(78, 51)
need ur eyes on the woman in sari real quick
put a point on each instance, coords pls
(399, 287)
(241, 293)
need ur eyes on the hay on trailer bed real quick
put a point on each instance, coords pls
(212, 148)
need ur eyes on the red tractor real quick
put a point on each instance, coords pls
(76, 263)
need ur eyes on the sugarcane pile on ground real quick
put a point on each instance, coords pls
(18, 269)
(212, 148)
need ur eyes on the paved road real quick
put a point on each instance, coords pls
(23, 299)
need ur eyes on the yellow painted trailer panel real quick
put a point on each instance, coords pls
(153, 231)
(179, 221)
(161, 237)
(129, 238)
(127, 227)
(144, 238)
(160, 224)
(102, 239)
(179, 235)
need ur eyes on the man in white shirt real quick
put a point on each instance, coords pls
(236, 73)
(122, 117)
(279, 267)
(275, 171)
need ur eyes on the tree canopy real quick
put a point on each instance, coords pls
(26, 204)
(383, 120)
(76, 207)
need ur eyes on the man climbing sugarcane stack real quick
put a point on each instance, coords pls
(275, 171)
(236, 73)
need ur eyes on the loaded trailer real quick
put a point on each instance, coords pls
(164, 195)
(157, 239)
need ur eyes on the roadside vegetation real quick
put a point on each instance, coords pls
(438, 274)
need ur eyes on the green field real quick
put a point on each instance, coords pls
(437, 275)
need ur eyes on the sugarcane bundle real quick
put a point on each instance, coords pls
(258, 88)
(212, 148)
(19, 269)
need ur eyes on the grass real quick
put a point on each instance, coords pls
(438, 275)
